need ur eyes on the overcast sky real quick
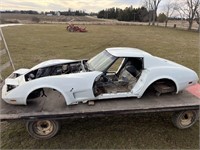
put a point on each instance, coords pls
(63, 5)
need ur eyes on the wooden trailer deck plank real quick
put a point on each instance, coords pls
(54, 105)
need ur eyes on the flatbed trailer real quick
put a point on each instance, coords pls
(42, 114)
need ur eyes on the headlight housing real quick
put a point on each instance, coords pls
(10, 87)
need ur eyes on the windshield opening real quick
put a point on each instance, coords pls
(101, 62)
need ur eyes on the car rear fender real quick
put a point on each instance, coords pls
(147, 78)
(149, 83)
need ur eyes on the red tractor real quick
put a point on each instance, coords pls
(73, 28)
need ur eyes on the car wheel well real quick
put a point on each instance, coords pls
(167, 82)
(44, 92)
(35, 93)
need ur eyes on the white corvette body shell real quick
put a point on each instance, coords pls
(78, 87)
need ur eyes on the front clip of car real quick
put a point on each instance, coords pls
(12, 82)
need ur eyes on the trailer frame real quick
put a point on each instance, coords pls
(45, 110)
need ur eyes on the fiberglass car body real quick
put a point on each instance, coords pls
(94, 79)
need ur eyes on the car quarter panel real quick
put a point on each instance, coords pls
(181, 76)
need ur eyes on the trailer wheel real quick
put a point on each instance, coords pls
(43, 129)
(185, 119)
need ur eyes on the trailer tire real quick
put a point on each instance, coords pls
(43, 129)
(184, 119)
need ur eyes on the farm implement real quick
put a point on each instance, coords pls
(73, 28)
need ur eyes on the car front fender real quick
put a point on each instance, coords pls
(73, 87)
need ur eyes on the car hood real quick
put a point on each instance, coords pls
(21, 71)
(15, 81)
(52, 62)
(16, 77)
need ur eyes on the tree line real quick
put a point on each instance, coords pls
(69, 12)
(187, 9)
(20, 11)
(127, 14)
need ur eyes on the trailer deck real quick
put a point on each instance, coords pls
(53, 106)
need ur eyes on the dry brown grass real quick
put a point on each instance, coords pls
(31, 44)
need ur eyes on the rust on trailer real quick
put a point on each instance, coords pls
(53, 106)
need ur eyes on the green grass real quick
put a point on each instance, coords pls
(31, 44)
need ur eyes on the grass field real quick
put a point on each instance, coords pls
(31, 44)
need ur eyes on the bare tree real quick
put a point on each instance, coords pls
(169, 9)
(193, 6)
(152, 7)
(155, 8)
(188, 9)
(198, 18)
